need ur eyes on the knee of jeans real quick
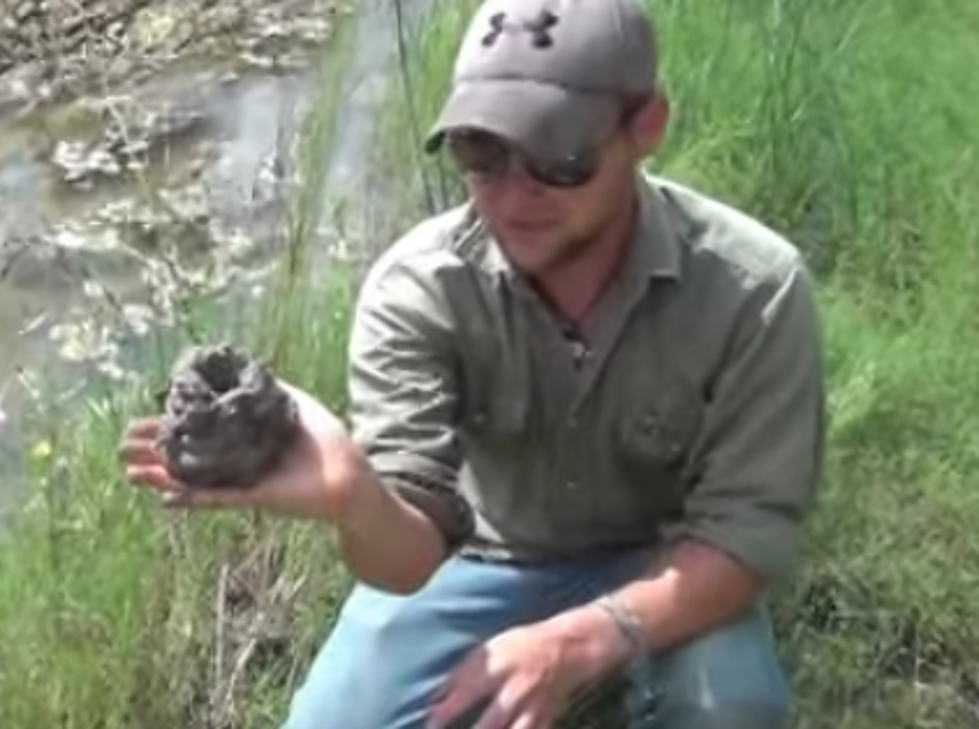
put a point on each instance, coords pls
(382, 648)
(368, 696)
(732, 713)
(730, 678)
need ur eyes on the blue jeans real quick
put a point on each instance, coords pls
(387, 653)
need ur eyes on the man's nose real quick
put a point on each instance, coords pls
(517, 179)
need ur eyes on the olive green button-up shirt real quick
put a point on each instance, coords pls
(696, 409)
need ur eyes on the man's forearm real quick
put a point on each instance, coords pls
(385, 541)
(697, 589)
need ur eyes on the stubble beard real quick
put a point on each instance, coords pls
(572, 249)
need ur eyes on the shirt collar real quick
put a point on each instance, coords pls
(655, 247)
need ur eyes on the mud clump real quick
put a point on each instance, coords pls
(227, 422)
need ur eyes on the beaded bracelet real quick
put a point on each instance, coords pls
(627, 623)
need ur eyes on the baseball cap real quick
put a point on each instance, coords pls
(549, 75)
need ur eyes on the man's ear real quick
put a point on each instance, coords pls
(649, 124)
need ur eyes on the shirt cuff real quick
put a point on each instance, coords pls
(765, 543)
(427, 486)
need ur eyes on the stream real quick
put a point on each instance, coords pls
(121, 187)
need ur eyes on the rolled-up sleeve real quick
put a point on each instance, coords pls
(403, 392)
(762, 452)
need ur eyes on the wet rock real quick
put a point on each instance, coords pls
(176, 225)
(163, 26)
(227, 422)
(63, 41)
(127, 134)
(32, 263)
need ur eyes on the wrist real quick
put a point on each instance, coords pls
(627, 624)
(592, 640)
(384, 541)
(357, 511)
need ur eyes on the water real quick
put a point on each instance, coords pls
(79, 261)
(63, 257)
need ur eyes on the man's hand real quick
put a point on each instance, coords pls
(310, 481)
(528, 673)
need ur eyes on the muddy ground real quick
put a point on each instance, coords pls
(56, 52)
(53, 49)
(132, 126)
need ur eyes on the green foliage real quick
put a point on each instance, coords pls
(116, 613)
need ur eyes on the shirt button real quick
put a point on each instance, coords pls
(572, 485)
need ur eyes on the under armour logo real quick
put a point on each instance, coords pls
(538, 28)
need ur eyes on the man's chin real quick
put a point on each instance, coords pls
(531, 257)
(535, 251)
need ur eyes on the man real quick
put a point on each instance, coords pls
(587, 416)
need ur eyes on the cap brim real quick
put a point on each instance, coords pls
(541, 119)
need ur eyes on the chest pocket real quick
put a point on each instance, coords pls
(495, 410)
(495, 404)
(654, 438)
(650, 439)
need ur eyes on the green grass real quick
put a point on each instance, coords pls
(851, 127)
(110, 613)
(115, 613)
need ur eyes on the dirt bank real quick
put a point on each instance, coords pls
(56, 49)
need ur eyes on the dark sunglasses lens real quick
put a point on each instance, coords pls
(568, 172)
(480, 154)
(486, 155)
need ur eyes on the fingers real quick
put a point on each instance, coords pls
(206, 498)
(138, 444)
(142, 428)
(144, 464)
(154, 476)
(498, 715)
(178, 495)
(531, 721)
(139, 453)
(140, 458)
(471, 684)
(502, 712)
(511, 708)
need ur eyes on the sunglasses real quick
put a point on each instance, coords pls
(489, 157)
